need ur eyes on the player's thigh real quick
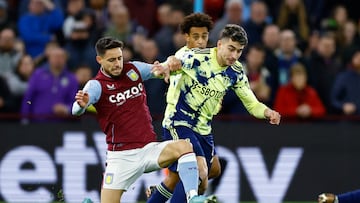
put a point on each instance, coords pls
(122, 169)
(173, 150)
(111, 195)
(215, 167)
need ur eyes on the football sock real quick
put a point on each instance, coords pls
(189, 174)
(160, 195)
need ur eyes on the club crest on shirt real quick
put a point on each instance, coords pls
(132, 75)
(110, 87)
(109, 177)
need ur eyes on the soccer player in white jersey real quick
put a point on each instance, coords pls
(197, 94)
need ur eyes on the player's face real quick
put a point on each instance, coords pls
(197, 37)
(228, 52)
(112, 62)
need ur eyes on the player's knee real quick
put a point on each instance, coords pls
(184, 146)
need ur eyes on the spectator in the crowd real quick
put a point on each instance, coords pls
(5, 20)
(101, 16)
(259, 76)
(40, 25)
(72, 9)
(349, 42)
(315, 12)
(336, 20)
(288, 54)
(6, 102)
(9, 56)
(19, 79)
(345, 94)
(255, 25)
(155, 89)
(292, 15)
(81, 42)
(121, 27)
(323, 67)
(51, 90)
(297, 98)
(168, 37)
(232, 14)
(83, 73)
(312, 43)
(271, 40)
(212, 9)
(143, 13)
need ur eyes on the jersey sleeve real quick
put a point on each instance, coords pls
(144, 69)
(248, 98)
(93, 88)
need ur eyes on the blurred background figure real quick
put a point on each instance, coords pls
(72, 9)
(6, 102)
(293, 16)
(81, 41)
(83, 73)
(169, 39)
(6, 21)
(9, 56)
(155, 89)
(51, 90)
(345, 94)
(18, 80)
(255, 25)
(287, 54)
(297, 98)
(323, 66)
(232, 14)
(40, 25)
(271, 40)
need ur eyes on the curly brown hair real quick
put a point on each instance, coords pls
(196, 20)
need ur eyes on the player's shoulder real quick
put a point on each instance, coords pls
(237, 67)
(201, 51)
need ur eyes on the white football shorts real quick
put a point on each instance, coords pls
(123, 168)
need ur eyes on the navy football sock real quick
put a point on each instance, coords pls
(178, 194)
(160, 195)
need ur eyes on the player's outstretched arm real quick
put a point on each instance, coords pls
(83, 98)
(273, 116)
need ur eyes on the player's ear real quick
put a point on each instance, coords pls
(99, 59)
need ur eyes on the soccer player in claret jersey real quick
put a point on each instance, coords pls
(195, 28)
(118, 94)
(202, 82)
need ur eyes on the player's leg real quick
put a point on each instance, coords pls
(186, 169)
(121, 171)
(181, 132)
(111, 195)
(215, 168)
(179, 194)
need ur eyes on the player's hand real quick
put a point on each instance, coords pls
(273, 116)
(160, 70)
(61, 109)
(82, 98)
(326, 198)
(173, 63)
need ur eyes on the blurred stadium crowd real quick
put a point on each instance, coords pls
(303, 56)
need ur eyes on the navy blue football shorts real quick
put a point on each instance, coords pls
(202, 145)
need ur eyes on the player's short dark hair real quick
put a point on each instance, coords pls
(196, 20)
(235, 33)
(106, 43)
